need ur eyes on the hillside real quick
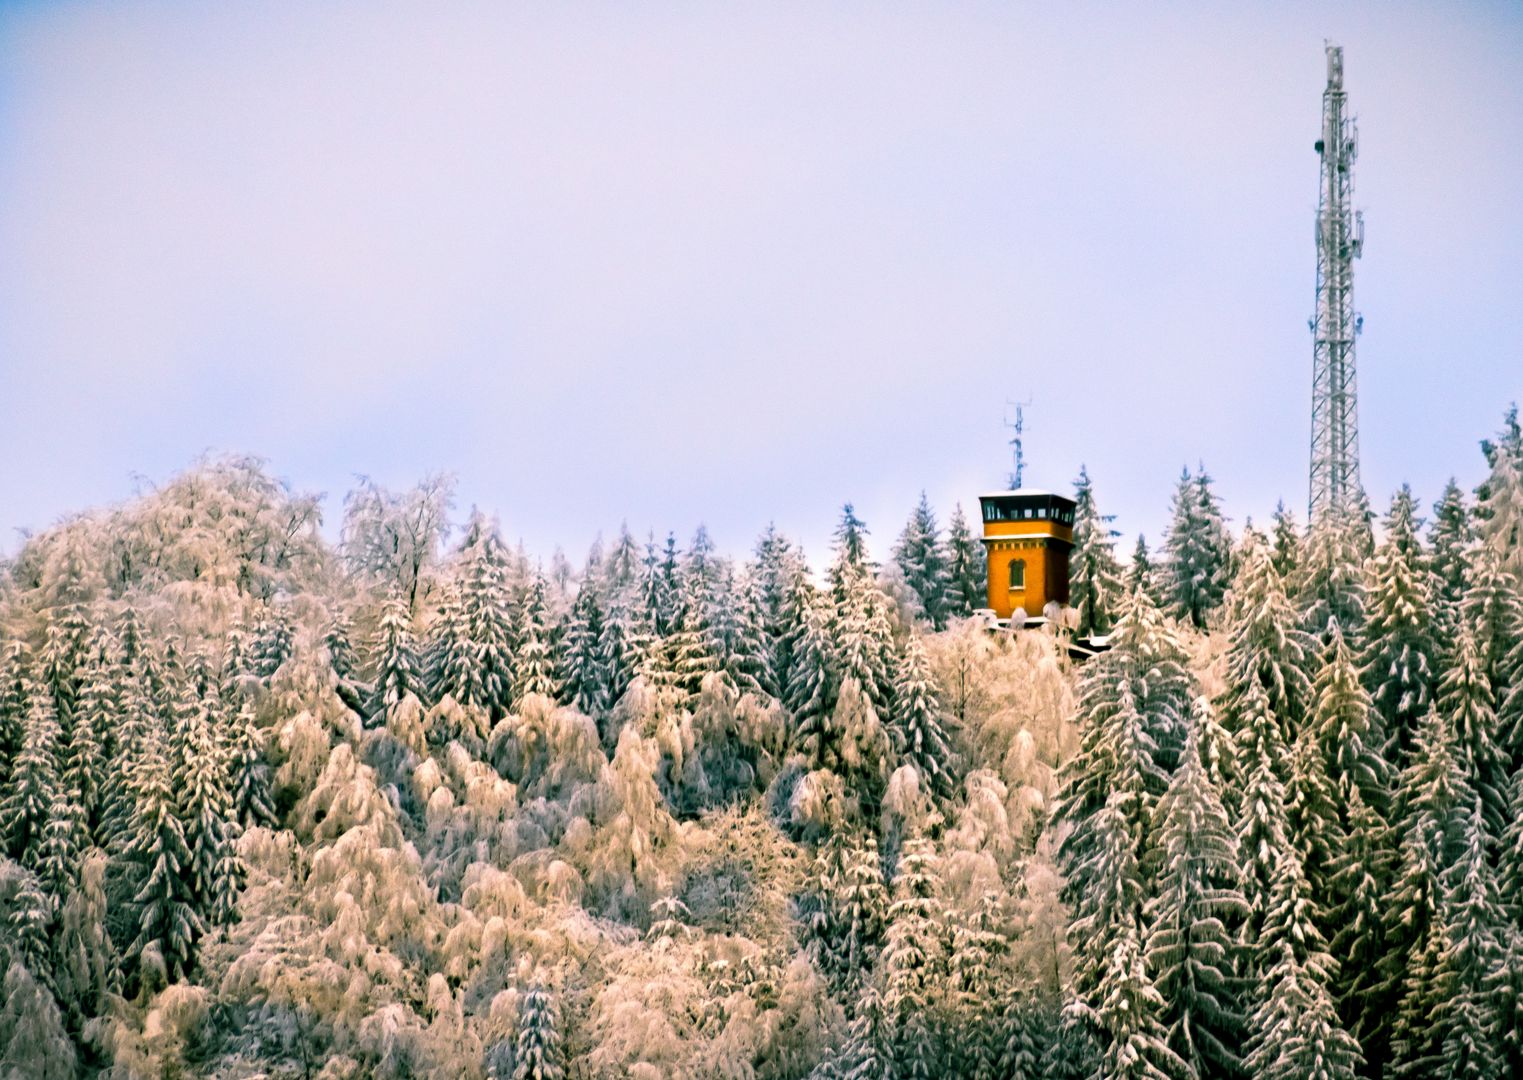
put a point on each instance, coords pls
(417, 804)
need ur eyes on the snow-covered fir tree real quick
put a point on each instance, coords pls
(923, 562)
(1285, 542)
(1198, 550)
(967, 567)
(917, 725)
(539, 1053)
(1401, 647)
(1095, 584)
(1191, 951)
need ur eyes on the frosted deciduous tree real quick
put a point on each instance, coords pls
(396, 536)
(33, 1043)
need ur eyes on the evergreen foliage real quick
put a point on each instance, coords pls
(1095, 586)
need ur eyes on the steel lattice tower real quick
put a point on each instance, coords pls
(1340, 238)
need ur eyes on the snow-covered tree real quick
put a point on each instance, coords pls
(1285, 542)
(1466, 1019)
(1399, 657)
(917, 727)
(397, 668)
(1095, 587)
(851, 549)
(1265, 646)
(967, 567)
(397, 536)
(583, 673)
(33, 1043)
(923, 562)
(1141, 574)
(34, 785)
(1198, 549)
(1296, 1033)
(913, 963)
(533, 662)
(1190, 951)
(1330, 582)
(540, 1055)
(1451, 536)
(1465, 700)
(168, 922)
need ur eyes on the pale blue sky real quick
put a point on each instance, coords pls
(739, 263)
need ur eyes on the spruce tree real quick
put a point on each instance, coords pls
(169, 925)
(540, 1055)
(810, 697)
(1263, 829)
(1466, 1017)
(912, 962)
(1330, 584)
(1499, 501)
(916, 727)
(1199, 550)
(1399, 658)
(924, 564)
(967, 567)
(1346, 727)
(1435, 794)
(689, 643)
(1265, 646)
(29, 926)
(623, 645)
(1191, 952)
(1095, 586)
(34, 786)
(533, 663)
(1141, 575)
(1450, 537)
(249, 782)
(1129, 1013)
(848, 923)
(212, 870)
(583, 675)
(737, 639)
(851, 550)
(397, 668)
(1285, 543)
(1492, 609)
(1296, 1033)
(1464, 699)
(485, 613)
(274, 642)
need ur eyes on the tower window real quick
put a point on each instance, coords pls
(1018, 574)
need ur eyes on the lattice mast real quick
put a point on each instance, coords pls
(1340, 239)
(1017, 441)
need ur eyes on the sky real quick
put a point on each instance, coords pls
(741, 263)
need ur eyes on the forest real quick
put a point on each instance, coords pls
(406, 800)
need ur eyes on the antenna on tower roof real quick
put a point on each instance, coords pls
(1018, 426)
